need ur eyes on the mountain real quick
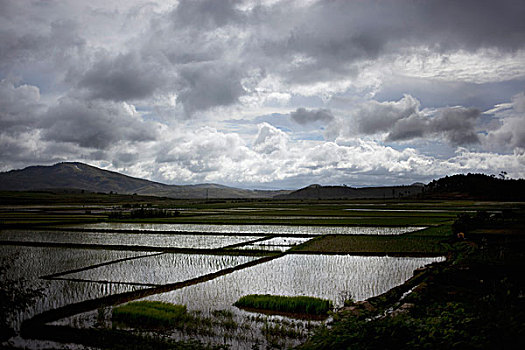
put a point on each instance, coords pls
(80, 176)
(344, 192)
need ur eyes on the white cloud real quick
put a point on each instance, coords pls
(511, 132)
(270, 139)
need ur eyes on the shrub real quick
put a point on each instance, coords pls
(299, 304)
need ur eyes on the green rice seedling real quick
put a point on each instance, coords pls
(150, 314)
(281, 331)
(298, 304)
(223, 313)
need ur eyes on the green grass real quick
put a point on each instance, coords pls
(299, 304)
(154, 314)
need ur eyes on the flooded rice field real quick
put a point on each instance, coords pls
(35, 262)
(31, 266)
(161, 269)
(208, 283)
(333, 277)
(163, 240)
(254, 229)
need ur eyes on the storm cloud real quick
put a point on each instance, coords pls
(457, 125)
(95, 124)
(125, 77)
(304, 116)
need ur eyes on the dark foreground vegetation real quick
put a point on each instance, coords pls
(143, 213)
(477, 186)
(475, 300)
(297, 305)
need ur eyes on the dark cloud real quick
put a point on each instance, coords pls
(303, 116)
(414, 126)
(373, 117)
(357, 31)
(205, 13)
(208, 85)
(94, 124)
(57, 41)
(122, 159)
(470, 24)
(19, 106)
(125, 77)
(403, 121)
(457, 125)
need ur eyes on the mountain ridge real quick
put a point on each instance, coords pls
(81, 176)
(77, 176)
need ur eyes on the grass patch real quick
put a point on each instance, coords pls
(150, 314)
(300, 304)
(442, 231)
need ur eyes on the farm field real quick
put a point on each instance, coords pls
(81, 264)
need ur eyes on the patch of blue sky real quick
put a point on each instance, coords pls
(434, 93)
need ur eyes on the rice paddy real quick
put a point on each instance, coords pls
(203, 268)
(160, 269)
(323, 276)
(152, 239)
(255, 229)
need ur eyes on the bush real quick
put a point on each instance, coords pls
(300, 304)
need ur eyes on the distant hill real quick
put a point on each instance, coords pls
(344, 192)
(80, 176)
(76, 176)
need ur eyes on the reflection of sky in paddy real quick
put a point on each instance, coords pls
(324, 276)
(33, 262)
(162, 269)
(29, 263)
(255, 229)
(152, 239)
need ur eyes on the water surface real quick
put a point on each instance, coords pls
(255, 229)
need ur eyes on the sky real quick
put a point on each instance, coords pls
(265, 94)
